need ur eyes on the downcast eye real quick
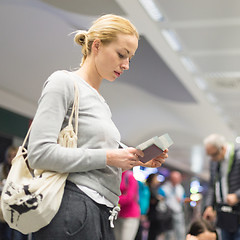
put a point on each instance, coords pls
(120, 55)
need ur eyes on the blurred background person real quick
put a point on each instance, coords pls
(159, 218)
(201, 229)
(6, 233)
(224, 186)
(174, 194)
(144, 202)
(127, 223)
(6, 164)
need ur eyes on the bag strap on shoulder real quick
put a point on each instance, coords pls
(74, 110)
(75, 107)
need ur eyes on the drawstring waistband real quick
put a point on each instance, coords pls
(113, 216)
(113, 213)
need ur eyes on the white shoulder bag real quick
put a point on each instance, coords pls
(30, 199)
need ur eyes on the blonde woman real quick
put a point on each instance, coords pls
(95, 167)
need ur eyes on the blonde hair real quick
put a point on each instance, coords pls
(106, 28)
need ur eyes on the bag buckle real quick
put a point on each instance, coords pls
(226, 209)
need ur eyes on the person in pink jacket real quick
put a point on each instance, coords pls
(128, 220)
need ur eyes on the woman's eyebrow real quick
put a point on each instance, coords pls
(127, 50)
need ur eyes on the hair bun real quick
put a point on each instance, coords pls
(80, 37)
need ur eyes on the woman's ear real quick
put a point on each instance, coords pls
(96, 45)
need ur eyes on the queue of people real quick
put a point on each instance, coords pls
(140, 204)
(164, 212)
(143, 203)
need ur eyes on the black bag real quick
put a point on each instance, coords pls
(228, 218)
(164, 215)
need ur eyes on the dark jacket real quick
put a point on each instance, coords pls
(233, 179)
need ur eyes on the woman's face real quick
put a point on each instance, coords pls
(207, 236)
(155, 183)
(203, 236)
(113, 58)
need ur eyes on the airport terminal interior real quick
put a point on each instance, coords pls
(184, 79)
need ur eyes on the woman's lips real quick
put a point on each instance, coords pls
(117, 73)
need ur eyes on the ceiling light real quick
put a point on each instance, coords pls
(226, 119)
(237, 139)
(201, 83)
(152, 10)
(219, 110)
(171, 38)
(196, 197)
(188, 64)
(197, 158)
(211, 98)
(223, 75)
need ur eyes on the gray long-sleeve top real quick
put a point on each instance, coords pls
(85, 164)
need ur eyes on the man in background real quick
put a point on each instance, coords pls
(224, 187)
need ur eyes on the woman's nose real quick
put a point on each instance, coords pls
(125, 64)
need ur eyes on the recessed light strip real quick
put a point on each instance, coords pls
(152, 10)
(188, 64)
(201, 83)
(171, 38)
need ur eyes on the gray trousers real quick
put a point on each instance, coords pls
(79, 218)
(178, 232)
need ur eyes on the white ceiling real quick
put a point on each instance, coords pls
(158, 94)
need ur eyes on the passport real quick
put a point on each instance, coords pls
(153, 147)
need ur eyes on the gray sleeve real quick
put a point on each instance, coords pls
(43, 150)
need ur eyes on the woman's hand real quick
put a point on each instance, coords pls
(157, 161)
(232, 199)
(209, 214)
(126, 158)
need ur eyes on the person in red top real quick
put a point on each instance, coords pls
(128, 220)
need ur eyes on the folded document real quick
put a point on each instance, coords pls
(153, 147)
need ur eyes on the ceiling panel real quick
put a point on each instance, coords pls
(229, 97)
(186, 10)
(210, 38)
(88, 7)
(224, 85)
(217, 63)
(151, 73)
(34, 49)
